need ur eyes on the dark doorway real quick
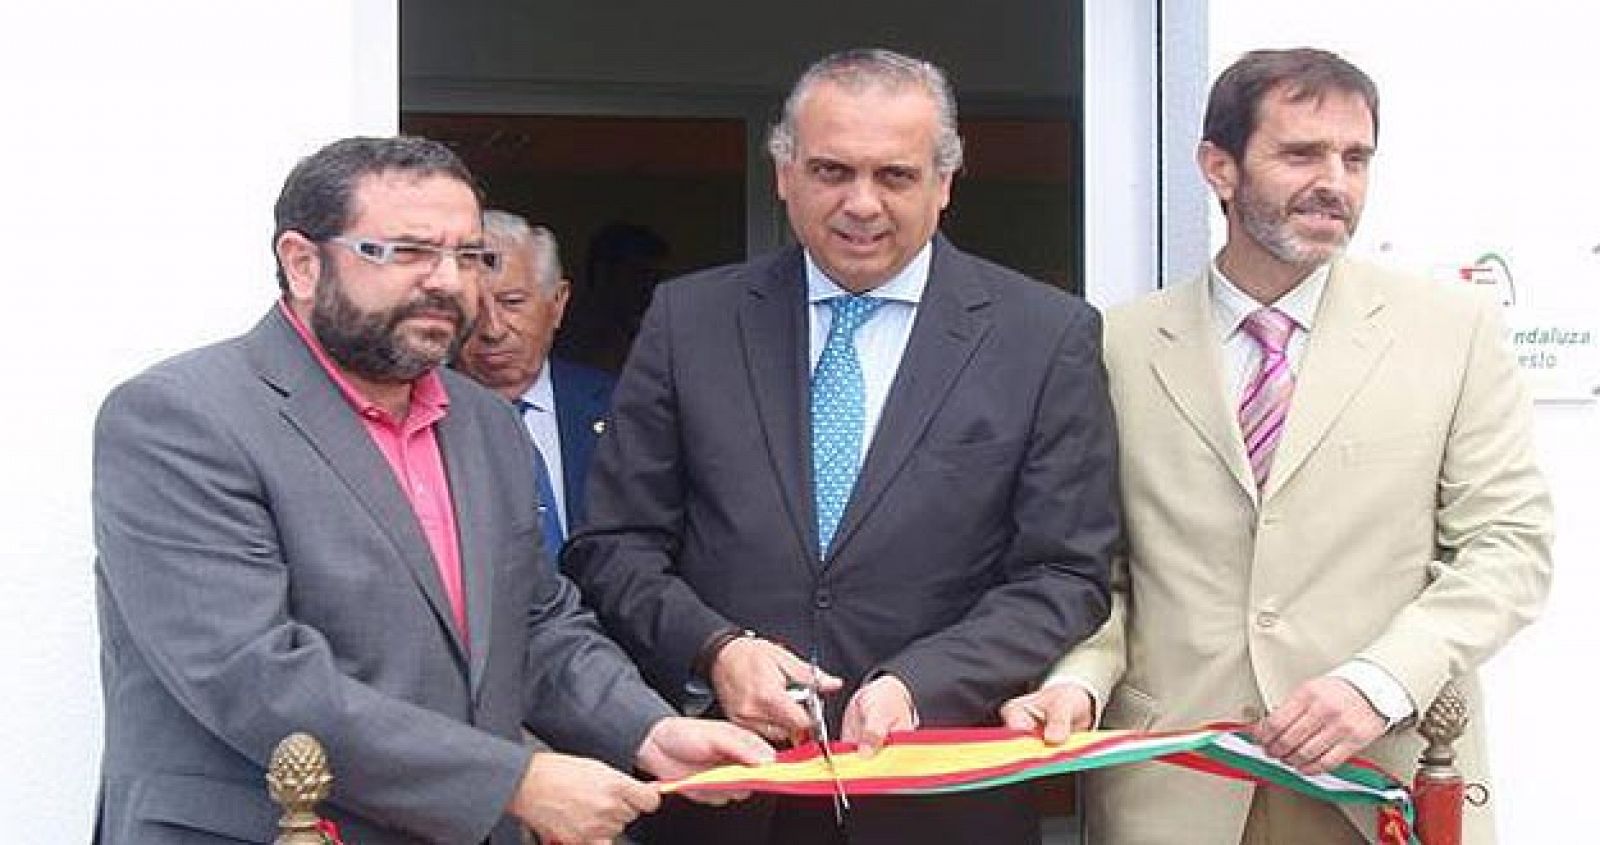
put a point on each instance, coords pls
(655, 114)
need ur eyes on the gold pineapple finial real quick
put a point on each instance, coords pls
(1443, 724)
(297, 779)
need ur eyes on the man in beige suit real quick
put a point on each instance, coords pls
(1331, 506)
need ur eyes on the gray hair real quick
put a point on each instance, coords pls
(860, 69)
(541, 242)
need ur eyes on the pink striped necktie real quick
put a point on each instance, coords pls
(1265, 404)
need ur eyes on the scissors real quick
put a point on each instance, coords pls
(807, 696)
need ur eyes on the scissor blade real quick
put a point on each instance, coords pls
(819, 724)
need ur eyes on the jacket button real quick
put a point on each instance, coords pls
(1249, 713)
(1266, 619)
(822, 599)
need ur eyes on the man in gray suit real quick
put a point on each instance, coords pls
(872, 462)
(314, 527)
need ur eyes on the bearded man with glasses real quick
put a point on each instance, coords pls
(315, 527)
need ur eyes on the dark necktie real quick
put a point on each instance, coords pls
(549, 517)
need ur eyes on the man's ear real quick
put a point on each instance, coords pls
(1219, 169)
(560, 297)
(782, 173)
(301, 260)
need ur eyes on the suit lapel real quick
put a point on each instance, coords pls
(580, 408)
(1350, 336)
(465, 461)
(950, 324)
(1187, 359)
(773, 326)
(314, 406)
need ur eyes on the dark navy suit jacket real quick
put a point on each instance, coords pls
(583, 400)
(973, 551)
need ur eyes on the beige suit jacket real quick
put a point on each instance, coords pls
(1404, 523)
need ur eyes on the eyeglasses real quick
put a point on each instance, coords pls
(424, 258)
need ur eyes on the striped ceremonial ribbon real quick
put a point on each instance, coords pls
(939, 760)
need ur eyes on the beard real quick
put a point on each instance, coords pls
(372, 344)
(1269, 225)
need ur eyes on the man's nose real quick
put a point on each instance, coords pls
(1335, 172)
(447, 275)
(491, 324)
(863, 199)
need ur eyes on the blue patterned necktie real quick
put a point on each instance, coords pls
(549, 517)
(838, 414)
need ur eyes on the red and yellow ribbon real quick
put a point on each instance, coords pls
(933, 761)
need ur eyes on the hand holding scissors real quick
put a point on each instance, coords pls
(809, 697)
(752, 676)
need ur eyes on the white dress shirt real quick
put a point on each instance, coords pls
(1241, 354)
(540, 421)
(881, 341)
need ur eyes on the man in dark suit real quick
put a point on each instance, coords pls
(563, 404)
(315, 528)
(872, 462)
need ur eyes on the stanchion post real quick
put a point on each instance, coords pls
(1438, 789)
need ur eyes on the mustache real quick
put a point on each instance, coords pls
(433, 303)
(1323, 202)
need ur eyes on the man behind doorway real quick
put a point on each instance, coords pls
(871, 463)
(314, 527)
(1329, 484)
(563, 404)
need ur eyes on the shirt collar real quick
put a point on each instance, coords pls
(429, 401)
(541, 394)
(905, 286)
(1230, 305)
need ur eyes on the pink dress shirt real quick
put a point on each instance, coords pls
(412, 450)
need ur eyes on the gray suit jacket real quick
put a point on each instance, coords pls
(261, 572)
(978, 535)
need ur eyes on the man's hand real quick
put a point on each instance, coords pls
(677, 747)
(882, 706)
(1320, 725)
(574, 799)
(751, 677)
(1054, 711)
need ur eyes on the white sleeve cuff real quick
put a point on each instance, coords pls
(1381, 690)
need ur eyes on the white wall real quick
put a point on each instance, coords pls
(144, 147)
(1144, 82)
(1486, 143)
(1121, 195)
